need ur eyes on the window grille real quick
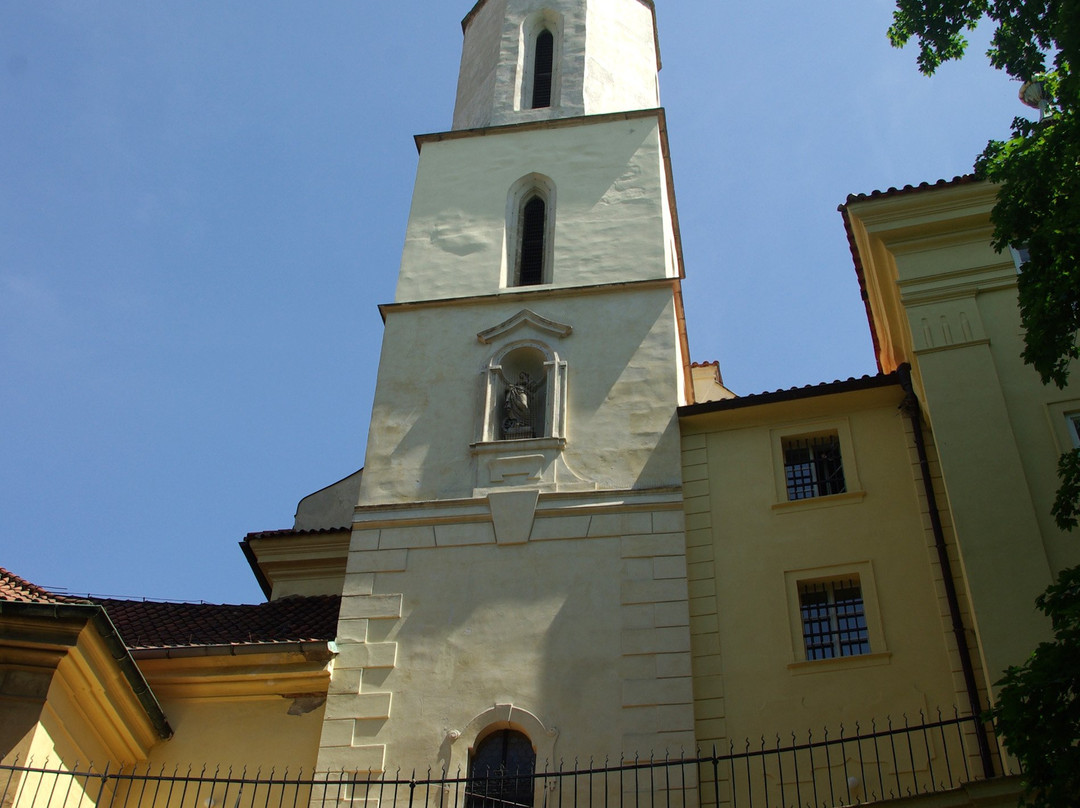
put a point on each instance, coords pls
(833, 619)
(501, 772)
(533, 221)
(812, 467)
(543, 64)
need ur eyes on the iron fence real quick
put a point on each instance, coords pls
(848, 767)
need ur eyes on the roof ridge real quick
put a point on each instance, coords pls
(962, 179)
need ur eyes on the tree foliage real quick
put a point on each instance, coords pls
(1038, 708)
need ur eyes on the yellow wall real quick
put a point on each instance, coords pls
(253, 711)
(747, 547)
(252, 734)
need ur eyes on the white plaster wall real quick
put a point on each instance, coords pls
(526, 625)
(606, 61)
(621, 58)
(479, 66)
(623, 374)
(611, 208)
(585, 625)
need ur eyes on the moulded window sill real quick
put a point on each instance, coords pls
(519, 445)
(847, 498)
(838, 663)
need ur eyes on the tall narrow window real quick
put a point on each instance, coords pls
(531, 263)
(501, 771)
(543, 65)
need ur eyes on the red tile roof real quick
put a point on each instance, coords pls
(14, 588)
(151, 624)
(155, 624)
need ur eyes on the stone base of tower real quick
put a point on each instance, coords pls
(467, 615)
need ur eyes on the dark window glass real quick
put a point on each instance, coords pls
(501, 772)
(531, 267)
(833, 619)
(542, 69)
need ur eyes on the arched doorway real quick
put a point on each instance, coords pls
(501, 771)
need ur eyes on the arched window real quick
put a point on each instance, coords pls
(530, 230)
(501, 771)
(543, 67)
(533, 227)
(537, 71)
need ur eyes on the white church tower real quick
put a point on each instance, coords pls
(517, 566)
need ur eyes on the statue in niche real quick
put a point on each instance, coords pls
(517, 413)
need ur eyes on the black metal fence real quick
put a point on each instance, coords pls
(855, 766)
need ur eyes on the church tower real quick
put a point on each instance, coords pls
(517, 564)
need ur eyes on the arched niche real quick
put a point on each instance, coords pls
(524, 395)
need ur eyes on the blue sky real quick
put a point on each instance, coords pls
(202, 204)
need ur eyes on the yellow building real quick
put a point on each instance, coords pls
(573, 555)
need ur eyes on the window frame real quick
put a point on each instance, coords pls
(1064, 422)
(861, 571)
(849, 462)
(546, 19)
(521, 193)
(833, 621)
(821, 473)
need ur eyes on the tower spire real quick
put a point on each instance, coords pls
(529, 60)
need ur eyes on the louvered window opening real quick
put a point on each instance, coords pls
(501, 772)
(812, 467)
(531, 268)
(542, 70)
(833, 619)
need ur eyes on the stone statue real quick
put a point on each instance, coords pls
(517, 417)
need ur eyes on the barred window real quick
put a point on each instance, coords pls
(833, 619)
(501, 771)
(812, 466)
(543, 68)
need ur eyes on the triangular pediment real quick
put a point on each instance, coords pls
(524, 317)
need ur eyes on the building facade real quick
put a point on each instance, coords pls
(568, 542)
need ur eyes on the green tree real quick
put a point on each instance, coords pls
(1038, 208)
(1038, 707)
